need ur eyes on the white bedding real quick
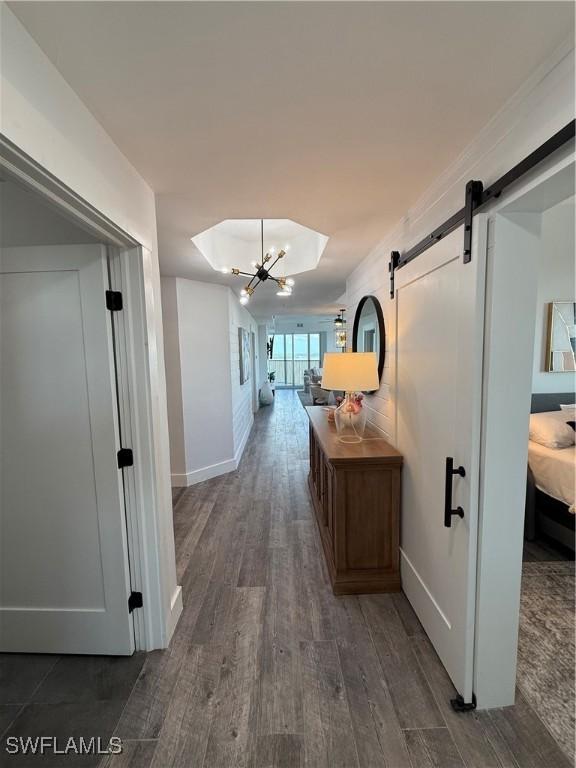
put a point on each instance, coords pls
(554, 471)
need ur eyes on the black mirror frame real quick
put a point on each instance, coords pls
(382, 332)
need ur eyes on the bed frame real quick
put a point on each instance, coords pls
(543, 513)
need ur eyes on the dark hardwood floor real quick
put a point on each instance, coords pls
(267, 667)
(545, 550)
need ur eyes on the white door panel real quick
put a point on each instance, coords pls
(64, 570)
(439, 373)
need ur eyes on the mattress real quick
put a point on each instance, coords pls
(554, 471)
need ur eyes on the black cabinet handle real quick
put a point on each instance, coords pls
(448, 511)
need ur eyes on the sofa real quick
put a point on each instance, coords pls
(322, 396)
(311, 376)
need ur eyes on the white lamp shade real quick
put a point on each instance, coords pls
(350, 371)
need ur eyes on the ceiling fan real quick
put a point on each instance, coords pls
(337, 321)
(339, 324)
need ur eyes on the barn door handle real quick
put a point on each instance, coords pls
(448, 511)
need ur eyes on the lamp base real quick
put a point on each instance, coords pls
(350, 418)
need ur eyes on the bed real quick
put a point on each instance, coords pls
(551, 478)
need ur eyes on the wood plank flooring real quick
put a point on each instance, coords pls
(268, 668)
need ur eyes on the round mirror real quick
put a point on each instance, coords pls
(369, 334)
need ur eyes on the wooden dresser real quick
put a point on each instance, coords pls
(356, 495)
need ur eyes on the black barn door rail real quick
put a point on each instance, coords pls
(477, 196)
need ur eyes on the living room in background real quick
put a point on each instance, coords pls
(292, 354)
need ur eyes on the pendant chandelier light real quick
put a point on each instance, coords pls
(262, 272)
(340, 330)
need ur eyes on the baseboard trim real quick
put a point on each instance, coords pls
(178, 480)
(181, 480)
(242, 446)
(204, 473)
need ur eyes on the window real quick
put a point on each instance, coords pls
(293, 354)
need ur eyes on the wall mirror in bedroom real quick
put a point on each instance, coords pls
(561, 336)
(369, 333)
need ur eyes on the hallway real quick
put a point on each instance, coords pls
(268, 668)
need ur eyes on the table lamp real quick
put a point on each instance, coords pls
(352, 372)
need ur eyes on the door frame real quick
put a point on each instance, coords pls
(509, 231)
(128, 264)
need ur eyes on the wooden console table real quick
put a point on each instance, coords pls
(356, 494)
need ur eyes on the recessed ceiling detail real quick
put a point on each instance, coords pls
(236, 243)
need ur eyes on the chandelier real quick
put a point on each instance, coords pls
(262, 272)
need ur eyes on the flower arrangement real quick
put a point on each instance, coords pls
(354, 402)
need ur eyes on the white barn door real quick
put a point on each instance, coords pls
(64, 579)
(440, 319)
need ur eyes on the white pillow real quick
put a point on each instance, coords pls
(550, 429)
(570, 407)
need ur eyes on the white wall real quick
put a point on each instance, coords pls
(44, 117)
(173, 376)
(242, 412)
(28, 220)
(205, 363)
(541, 107)
(210, 413)
(556, 281)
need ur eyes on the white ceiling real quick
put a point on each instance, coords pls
(336, 115)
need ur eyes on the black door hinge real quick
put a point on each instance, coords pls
(459, 705)
(392, 266)
(114, 301)
(474, 191)
(135, 601)
(125, 458)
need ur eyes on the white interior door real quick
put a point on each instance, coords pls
(440, 310)
(64, 567)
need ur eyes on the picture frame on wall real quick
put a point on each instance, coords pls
(245, 361)
(561, 337)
